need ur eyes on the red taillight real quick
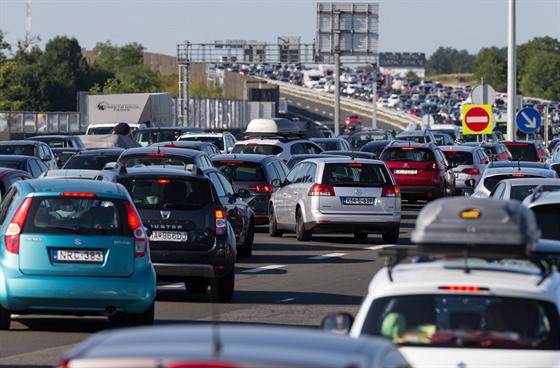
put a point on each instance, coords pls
(260, 188)
(156, 154)
(221, 224)
(163, 181)
(517, 175)
(354, 165)
(11, 236)
(471, 171)
(78, 194)
(463, 288)
(198, 364)
(170, 145)
(432, 166)
(391, 191)
(140, 242)
(231, 162)
(321, 190)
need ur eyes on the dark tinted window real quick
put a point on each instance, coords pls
(89, 162)
(241, 171)
(11, 164)
(407, 154)
(355, 174)
(18, 150)
(524, 152)
(217, 141)
(156, 159)
(460, 157)
(257, 149)
(490, 182)
(548, 219)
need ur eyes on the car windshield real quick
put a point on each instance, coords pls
(25, 150)
(241, 171)
(407, 154)
(491, 181)
(460, 157)
(523, 152)
(11, 164)
(89, 162)
(214, 140)
(260, 149)
(147, 138)
(520, 192)
(355, 174)
(466, 320)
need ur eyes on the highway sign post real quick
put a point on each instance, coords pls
(483, 94)
(477, 119)
(528, 120)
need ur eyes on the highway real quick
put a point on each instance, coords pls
(285, 282)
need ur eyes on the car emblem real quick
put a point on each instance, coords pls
(165, 214)
(77, 241)
(405, 164)
(358, 192)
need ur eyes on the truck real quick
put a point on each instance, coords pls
(135, 109)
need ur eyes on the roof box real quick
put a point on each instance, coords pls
(272, 127)
(475, 226)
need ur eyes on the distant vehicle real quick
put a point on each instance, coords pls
(30, 164)
(331, 144)
(34, 148)
(207, 147)
(60, 141)
(93, 159)
(171, 157)
(224, 140)
(470, 164)
(107, 128)
(358, 139)
(545, 204)
(10, 176)
(528, 150)
(62, 155)
(147, 136)
(352, 118)
(520, 188)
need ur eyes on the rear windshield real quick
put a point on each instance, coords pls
(265, 149)
(460, 157)
(89, 162)
(172, 193)
(523, 152)
(492, 181)
(11, 164)
(147, 138)
(407, 154)
(520, 192)
(155, 159)
(548, 219)
(241, 171)
(216, 141)
(72, 215)
(18, 150)
(466, 321)
(355, 174)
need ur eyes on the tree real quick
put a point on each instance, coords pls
(540, 77)
(447, 60)
(491, 67)
(4, 47)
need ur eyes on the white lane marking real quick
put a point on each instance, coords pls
(288, 300)
(376, 247)
(329, 256)
(264, 268)
(173, 286)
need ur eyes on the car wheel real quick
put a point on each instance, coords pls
(361, 237)
(5, 318)
(196, 285)
(222, 288)
(273, 230)
(247, 249)
(301, 233)
(391, 236)
(144, 319)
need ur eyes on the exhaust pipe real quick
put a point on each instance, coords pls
(110, 311)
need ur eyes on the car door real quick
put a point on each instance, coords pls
(284, 194)
(297, 195)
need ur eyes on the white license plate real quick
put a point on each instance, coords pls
(358, 200)
(176, 236)
(406, 172)
(96, 256)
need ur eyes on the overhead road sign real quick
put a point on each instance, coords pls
(477, 119)
(402, 60)
(528, 120)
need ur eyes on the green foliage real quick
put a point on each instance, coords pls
(447, 60)
(201, 90)
(490, 66)
(541, 77)
(411, 75)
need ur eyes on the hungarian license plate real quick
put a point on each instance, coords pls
(406, 172)
(358, 200)
(176, 236)
(95, 256)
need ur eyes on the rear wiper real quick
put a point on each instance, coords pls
(73, 229)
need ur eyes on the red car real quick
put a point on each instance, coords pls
(528, 150)
(352, 118)
(420, 169)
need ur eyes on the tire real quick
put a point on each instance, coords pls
(247, 249)
(301, 233)
(5, 318)
(361, 237)
(144, 319)
(391, 236)
(273, 230)
(121, 318)
(222, 288)
(196, 285)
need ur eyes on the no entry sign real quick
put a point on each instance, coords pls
(477, 119)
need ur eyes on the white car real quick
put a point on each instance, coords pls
(224, 140)
(484, 292)
(393, 100)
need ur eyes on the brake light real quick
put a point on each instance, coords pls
(170, 145)
(198, 364)
(78, 194)
(321, 190)
(231, 162)
(260, 188)
(156, 154)
(471, 171)
(140, 241)
(391, 191)
(221, 224)
(518, 175)
(163, 181)
(463, 288)
(354, 165)
(11, 236)
(432, 166)
(407, 148)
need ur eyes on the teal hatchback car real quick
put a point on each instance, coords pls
(74, 247)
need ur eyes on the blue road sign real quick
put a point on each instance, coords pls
(528, 120)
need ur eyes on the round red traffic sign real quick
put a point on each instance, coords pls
(477, 119)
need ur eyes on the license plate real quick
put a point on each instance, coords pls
(175, 236)
(95, 256)
(406, 172)
(358, 200)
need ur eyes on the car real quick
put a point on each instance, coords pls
(191, 241)
(470, 164)
(73, 174)
(93, 159)
(207, 147)
(421, 170)
(453, 130)
(520, 188)
(240, 345)
(358, 139)
(60, 141)
(443, 139)
(331, 144)
(10, 176)
(37, 149)
(481, 290)
(224, 140)
(171, 157)
(254, 173)
(61, 155)
(352, 118)
(74, 247)
(147, 136)
(527, 150)
(545, 204)
(303, 156)
(238, 212)
(336, 194)
(493, 175)
(283, 148)
(376, 146)
(418, 136)
(497, 151)
(355, 154)
(30, 164)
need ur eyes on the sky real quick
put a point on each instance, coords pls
(420, 26)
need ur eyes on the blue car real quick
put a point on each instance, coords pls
(76, 247)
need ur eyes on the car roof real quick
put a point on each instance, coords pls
(157, 170)
(531, 181)
(542, 198)
(400, 144)
(70, 173)
(249, 157)
(51, 187)
(21, 142)
(523, 170)
(516, 163)
(101, 151)
(341, 159)
(17, 157)
(168, 150)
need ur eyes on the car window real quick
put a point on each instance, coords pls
(260, 149)
(217, 184)
(460, 157)
(355, 174)
(244, 171)
(226, 184)
(281, 168)
(301, 175)
(525, 152)
(548, 218)
(34, 169)
(145, 160)
(292, 175)
(398, 154)
(499, 190)
(18, 150)
(89, 161)
(8, 202)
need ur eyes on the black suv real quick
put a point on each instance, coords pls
(191, 239)
(253, 172)
(93, 159)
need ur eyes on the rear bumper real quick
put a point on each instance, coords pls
(354, 223)
(421, 192)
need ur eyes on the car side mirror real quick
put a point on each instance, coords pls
(339, 323)
(470, 183)
(276, 183)
(454, 165)
(147, 229)
(46, 157)
(243, 193)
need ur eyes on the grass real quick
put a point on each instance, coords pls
(454, 79)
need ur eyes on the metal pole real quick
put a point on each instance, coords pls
(512, 81)
(374, 98)
(337, 93)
